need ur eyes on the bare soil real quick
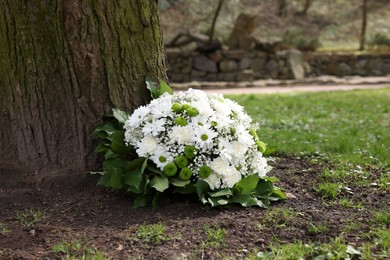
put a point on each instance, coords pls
(74, 208)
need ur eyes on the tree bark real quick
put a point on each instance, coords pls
(63, 65)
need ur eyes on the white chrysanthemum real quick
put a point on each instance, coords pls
(231, 177)
(221, 108)
(219, 165)
(214, 181)
(162, 108)
(161, 157)
(181, 134)
(204, 137)
(259, 164)
(204, 108)
(137, 117)
(146, 146)
(244, 136)
(154, 127)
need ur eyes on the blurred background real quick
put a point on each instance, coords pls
(247, 40)
(326, 24)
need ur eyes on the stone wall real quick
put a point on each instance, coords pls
(239, 65)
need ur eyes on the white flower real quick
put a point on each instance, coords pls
(204, 108)
(154, 127)
(214, 181)
(219, 165)
(259, 165)
(146, 146)
(161, 157)
(181, 134)
(221, 108)
(162, 108)
(231, 177)
(137, 117)
(204, 137)
(244, 137)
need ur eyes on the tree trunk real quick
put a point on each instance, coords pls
(306, 6)
(282, 8)
(63, 65)
(364, 26)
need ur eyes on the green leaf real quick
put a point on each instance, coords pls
(165, 88)
(271, 150)
(264, 187)
(134, 164)
(116, 182)
(154, 169)
(110, 155)
(160, 183)
(154, 92)
(186, 190)
(271, 179)
(247, 200)
(247, 184)
(144, 164)
(219, 193)
(133, 178)
(154, 200)
(121, 116)
(178, 182)
(217, 201)
(278, 194)
(142, 201)
(201, 187)
(101, 148)
(141, 188)
(105, 179)
(111, 164)
(118, 143)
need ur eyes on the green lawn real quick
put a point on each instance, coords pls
(345, 127)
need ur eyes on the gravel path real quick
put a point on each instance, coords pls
(291, 89)
(269, 86)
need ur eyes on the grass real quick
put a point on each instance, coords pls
(77, 249)
(346, 127)
(29, 218)
(328, 190)
(316, 229)
(215, 237)
(4, 229)
(153, 233)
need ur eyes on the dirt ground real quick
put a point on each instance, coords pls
(74, 209)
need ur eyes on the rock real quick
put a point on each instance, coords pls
(344, 69)
(228, 66)
(258, 64)
(203, 63)
(245, 63)
(296, 64)
(234, 54)
(246, 75)
(227, 76)
(198, 74)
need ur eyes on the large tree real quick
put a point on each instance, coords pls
(63, 65)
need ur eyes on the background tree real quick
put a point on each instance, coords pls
(63, 65)
(364, 26)
(306, 5)
(282, 8)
